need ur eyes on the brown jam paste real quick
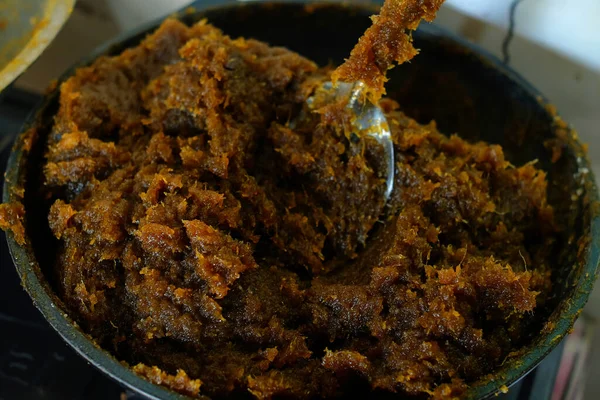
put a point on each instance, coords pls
(11, 219)
(387, 41)
(221, 252)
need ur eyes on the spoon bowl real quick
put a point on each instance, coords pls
(367, 119)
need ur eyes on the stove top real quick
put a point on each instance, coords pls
(35, 363)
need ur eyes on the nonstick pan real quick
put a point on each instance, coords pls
(462, 87)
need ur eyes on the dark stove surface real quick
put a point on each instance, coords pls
(35, 363)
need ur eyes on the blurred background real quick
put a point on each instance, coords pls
(555, 44)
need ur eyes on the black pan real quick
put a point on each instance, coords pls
(460, 86)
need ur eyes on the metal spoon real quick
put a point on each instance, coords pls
(369, 120)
